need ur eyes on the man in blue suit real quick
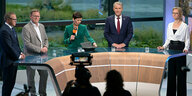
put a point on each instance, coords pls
(10, 52)
(118, 28)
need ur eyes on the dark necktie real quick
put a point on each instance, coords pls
(14, 32)
(118, 25)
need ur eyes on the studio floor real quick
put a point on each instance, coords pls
(143, 89)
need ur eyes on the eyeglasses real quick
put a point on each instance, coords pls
(13, 19)
(175, 13)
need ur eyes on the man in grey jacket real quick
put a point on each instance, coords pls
(35, 43)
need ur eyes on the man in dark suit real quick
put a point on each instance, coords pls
(118, 28)
(10, 52)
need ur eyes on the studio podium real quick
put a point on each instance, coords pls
(137, 66)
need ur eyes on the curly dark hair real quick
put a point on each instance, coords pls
(114, 81)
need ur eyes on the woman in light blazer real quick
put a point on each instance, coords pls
(178, 35)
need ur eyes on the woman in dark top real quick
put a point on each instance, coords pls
(114, 85)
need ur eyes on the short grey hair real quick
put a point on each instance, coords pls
(118, 3)
(8, 15)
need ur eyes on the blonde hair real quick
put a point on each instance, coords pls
(180, 12)
(118, 3)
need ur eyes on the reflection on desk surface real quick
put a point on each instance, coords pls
(63, 51)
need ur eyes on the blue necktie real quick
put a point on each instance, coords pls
(14, 32)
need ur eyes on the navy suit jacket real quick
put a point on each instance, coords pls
(9, 47)
(126, 31)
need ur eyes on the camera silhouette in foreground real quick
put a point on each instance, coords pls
(81, 86)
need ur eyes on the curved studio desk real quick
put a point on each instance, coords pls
(135, 65)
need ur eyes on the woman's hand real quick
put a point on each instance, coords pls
(94, 44)
(72, 37)
(185, 51)
(160, 48)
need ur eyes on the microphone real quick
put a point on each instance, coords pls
(74, 30)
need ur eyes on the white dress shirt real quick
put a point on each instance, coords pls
(120, 20)
(9, 25)
(182, 34)
(38, 32)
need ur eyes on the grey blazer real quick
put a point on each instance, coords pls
(32, 43)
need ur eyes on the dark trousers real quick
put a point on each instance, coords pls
(9, 77)
(176, 84)
(0, 74)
